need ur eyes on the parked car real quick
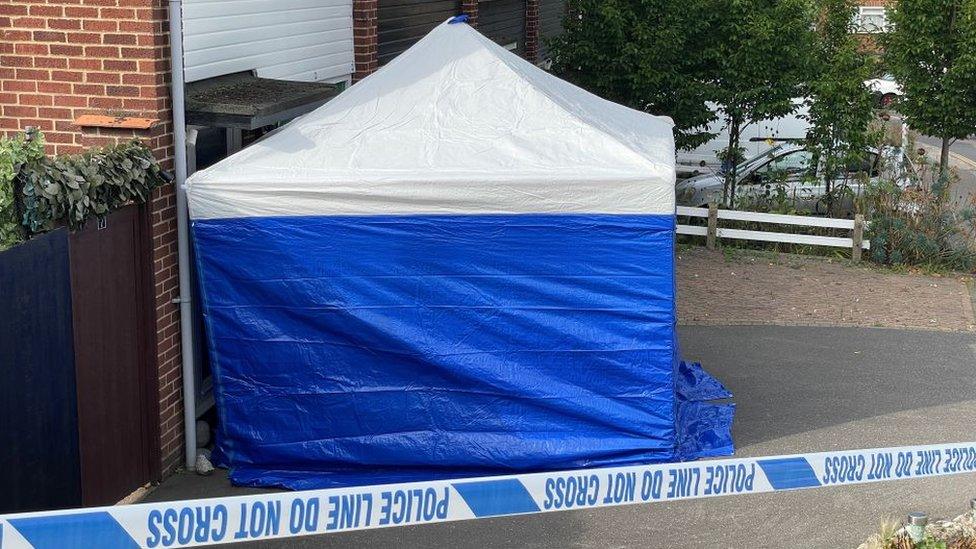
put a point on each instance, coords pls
(756, 139)
(762, 136)
(885, 89)
(787, 170)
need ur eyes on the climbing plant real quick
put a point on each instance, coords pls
(75, 188)
(15, 152)
(39, 192)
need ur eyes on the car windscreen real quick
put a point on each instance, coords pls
(758, 160)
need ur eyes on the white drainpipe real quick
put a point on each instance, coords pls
(183, 232)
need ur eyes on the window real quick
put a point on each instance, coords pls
(871, 19)
(790, 166)
(867, 164)
(796, 162)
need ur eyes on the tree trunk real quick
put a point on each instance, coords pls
(732, 157)
(944, 158)
(828, 176)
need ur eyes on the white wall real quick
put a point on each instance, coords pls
(306, 40)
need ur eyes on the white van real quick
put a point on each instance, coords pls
(756, 139)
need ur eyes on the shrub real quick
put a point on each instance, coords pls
(15, 152)
(920, 224)
(38, 192)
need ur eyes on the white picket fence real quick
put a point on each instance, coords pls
(713, 232)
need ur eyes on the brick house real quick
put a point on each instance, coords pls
(76, 69)
(872, 16)
(871, 19)
(62, 60)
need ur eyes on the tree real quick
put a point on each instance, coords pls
(760, 60)
(930, 49)
(840, 105)
(650, 55)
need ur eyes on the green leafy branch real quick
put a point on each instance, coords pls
(38, 192)
(15, 152)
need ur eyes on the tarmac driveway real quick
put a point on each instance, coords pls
(798, 389)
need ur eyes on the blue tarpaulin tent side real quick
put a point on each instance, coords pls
(461, 266)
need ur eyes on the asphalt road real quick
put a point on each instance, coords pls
(962, 158)
(797, 389)
(963, 147)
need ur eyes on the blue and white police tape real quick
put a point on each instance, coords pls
(288, 514)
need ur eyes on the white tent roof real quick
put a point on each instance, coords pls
(456, 124)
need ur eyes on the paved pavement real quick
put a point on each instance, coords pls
(798, 389)
(733, 287)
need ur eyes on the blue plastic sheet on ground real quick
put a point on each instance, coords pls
(366, 349)
(704, 428)
(695, 384)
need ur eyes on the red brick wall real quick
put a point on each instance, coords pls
(470, 8)
(532, 30)
(59, 60)
(168, 358)
(62, 59)
(364, 21)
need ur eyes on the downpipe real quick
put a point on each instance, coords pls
(183, 232)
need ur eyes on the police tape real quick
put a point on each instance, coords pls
(289, 514)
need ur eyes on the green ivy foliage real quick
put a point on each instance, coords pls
(15, 152)
(69, 189)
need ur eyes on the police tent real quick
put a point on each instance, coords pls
(460, 266)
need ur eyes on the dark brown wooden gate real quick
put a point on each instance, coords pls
(116, 389)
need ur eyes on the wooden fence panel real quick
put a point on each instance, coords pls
(116, 387)
(39, 462)
(714, 232)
